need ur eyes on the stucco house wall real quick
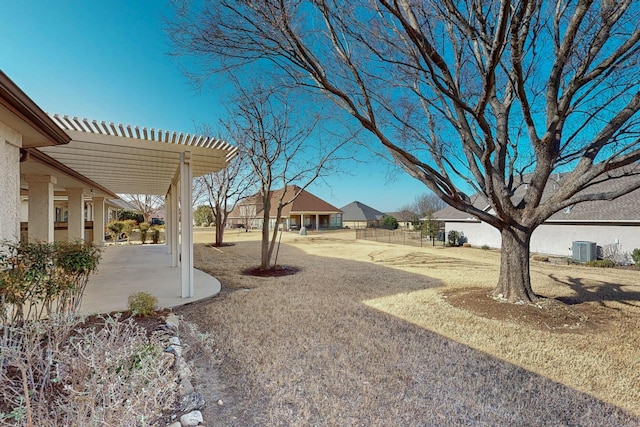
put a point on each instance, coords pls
(555, 238)
(10, 143)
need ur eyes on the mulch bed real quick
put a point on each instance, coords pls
(278, 271)
(547, 314)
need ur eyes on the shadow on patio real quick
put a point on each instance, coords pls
(127, 269)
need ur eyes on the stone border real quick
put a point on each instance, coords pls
(190, 401)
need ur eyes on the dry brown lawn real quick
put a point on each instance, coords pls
(374, 334)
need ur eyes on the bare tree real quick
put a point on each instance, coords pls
(428, 203)
(467, 95)
(146, 204)
(199, 193)
(275, 138)
(225, 188)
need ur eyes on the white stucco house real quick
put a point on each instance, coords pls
(606, 223)
(51, 161)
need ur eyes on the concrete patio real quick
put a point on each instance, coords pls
(127, 269)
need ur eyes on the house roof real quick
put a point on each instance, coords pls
(305, 203)
(625, 208)
(358, 211)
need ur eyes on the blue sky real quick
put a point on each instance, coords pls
(109, 60)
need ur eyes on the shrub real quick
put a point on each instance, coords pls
(134, 215)
(453, 236)
(484, 247)
(635, 255)
(155, 234)
(541, 258)
(111, 374)
(115, 229)
(40, 279)
(142, 304)
(144, 230)
(390, 222)
(127, 227)
(602, 263)
(41, 288)
(466, 245)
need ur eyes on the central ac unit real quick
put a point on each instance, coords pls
(584, 251)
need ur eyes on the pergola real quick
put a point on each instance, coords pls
(129, 160)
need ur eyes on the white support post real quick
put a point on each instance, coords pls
(75, 225)
(41, 207)
(167, 221)
(317, 222)
(186, 224)
(175, 252)
(98, 221)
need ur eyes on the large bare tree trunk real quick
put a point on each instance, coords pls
(514, 282)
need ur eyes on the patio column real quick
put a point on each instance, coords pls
(41, 208)
(173, 229)
(317, 222)
(167, 221)
(186, 224)
(98, 221)
(75, 225)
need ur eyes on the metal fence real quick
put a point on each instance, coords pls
(398, 237)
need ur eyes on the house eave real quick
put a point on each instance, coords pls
(35, 126)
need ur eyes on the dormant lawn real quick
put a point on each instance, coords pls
(375, 334)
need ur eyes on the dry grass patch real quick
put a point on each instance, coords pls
(592, 343)
(305, 350)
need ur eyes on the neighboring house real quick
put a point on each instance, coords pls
(359, 215)
(610, 224)
(306, 210)
(60, 168)
(405, 218)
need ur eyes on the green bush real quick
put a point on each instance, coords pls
(155, 234)
(115, 229)
(635, 255)
(43, 279)
(142, 304)
(484, 247)
(144, 230)
(453, 236)
(390, 222)
(602, 263)
(133, 215)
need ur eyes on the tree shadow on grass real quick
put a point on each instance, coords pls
(601, 292)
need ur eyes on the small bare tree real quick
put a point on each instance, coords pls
(428, 203)
(225, 188)
(276, 140)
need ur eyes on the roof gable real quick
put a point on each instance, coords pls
(305, 203)
(357, 211)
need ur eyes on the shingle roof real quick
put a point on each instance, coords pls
(305, 203)
(624, 208)
(357, 211)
